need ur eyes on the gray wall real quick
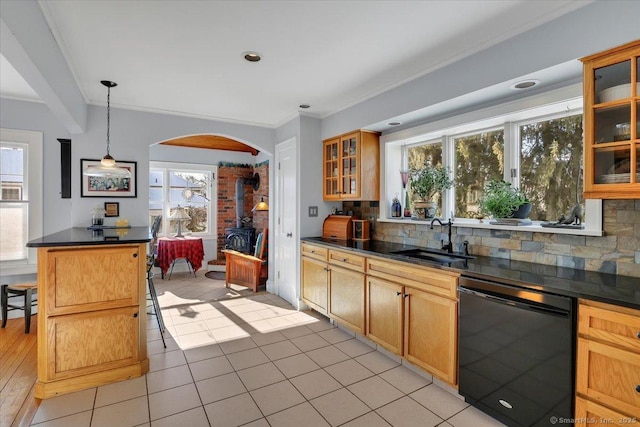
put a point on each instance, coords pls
(590, 29)
(34, 116)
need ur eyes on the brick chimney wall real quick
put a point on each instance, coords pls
(261, 219)
(227, 176)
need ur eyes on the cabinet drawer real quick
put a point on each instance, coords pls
(590, 414)
(609, 376)
(88, 279)
(347, 260)
(313, 251)
(80, 344)
(618, 325)
(438, 282)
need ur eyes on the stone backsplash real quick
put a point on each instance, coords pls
(617, 252)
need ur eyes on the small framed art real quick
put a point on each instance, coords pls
(111, 209)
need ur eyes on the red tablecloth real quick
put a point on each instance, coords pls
(171, 248)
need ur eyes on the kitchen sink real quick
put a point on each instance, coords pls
(433, 256)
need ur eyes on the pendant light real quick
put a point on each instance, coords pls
(107, 166)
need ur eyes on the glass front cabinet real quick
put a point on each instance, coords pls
(612, 123)
(351, 164)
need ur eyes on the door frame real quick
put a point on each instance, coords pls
(277, 226)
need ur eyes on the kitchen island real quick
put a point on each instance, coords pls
(91, 308)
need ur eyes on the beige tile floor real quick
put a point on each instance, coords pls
(235, 358)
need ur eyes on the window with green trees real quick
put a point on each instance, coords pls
(479, 158)
(550, 165)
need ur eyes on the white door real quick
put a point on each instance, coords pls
(286, 223)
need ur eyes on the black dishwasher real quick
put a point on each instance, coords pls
(515, 352)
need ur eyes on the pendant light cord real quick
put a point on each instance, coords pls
(108, 116)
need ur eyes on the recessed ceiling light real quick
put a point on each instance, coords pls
(252, 56)
(525, 84)
(305, 106)
(394, 123)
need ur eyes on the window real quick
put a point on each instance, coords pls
(20, 201)
(479, 158)
(418, 155)
(550, 163)
(191, 187)
(535, 143)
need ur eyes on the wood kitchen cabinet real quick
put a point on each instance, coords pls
(347, 289)
(351, 167)
(413, 311)
(612, 123)
(430, 339)
(91, 320)
(608, 343)
(385, 313)
(315, 277)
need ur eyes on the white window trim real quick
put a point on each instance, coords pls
(212, 214)
(556, 103)
(34, 194)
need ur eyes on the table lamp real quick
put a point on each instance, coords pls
(179, 215)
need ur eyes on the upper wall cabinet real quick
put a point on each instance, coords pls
(612, 123)
(351, 167)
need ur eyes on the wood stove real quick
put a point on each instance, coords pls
(240, 239)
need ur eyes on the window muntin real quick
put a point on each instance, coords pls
(479, 158)
(550, 165)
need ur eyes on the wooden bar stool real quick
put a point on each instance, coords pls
(28, 291)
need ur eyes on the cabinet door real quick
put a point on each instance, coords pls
(346, 297)
(89, 279)
(611, 127)
(590, 414)
(384, 313)
(80, 344)
(314, 284)
(608, 375)
(350, 166)
(430, 333)
(332, 189)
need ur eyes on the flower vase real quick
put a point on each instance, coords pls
(407, 207)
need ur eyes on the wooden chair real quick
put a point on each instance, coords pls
(247, 270)
(26, 290)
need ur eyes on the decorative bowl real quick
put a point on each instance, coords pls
(617, 92)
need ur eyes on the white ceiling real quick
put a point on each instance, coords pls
(186, 57)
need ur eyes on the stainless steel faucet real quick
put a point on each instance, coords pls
(449, 246)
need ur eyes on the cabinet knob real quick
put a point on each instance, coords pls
(398, 293)
(289, 234)
(405, 295)
(638, 388)
(135, 255)
(313, 252)
(638, 334)
(135, 314)
(345, 259)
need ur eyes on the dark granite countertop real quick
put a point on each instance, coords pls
(608, 288)
(78, 236)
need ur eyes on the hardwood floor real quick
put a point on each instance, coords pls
(18, 373)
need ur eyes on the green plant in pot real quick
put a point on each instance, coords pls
(501, 200)
(425, 183)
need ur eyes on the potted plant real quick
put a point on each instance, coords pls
(501, 200)
(425, 183)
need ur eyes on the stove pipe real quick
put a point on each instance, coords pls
(240, 183)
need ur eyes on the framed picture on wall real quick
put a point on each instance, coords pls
(104, 186)
(111, 209)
